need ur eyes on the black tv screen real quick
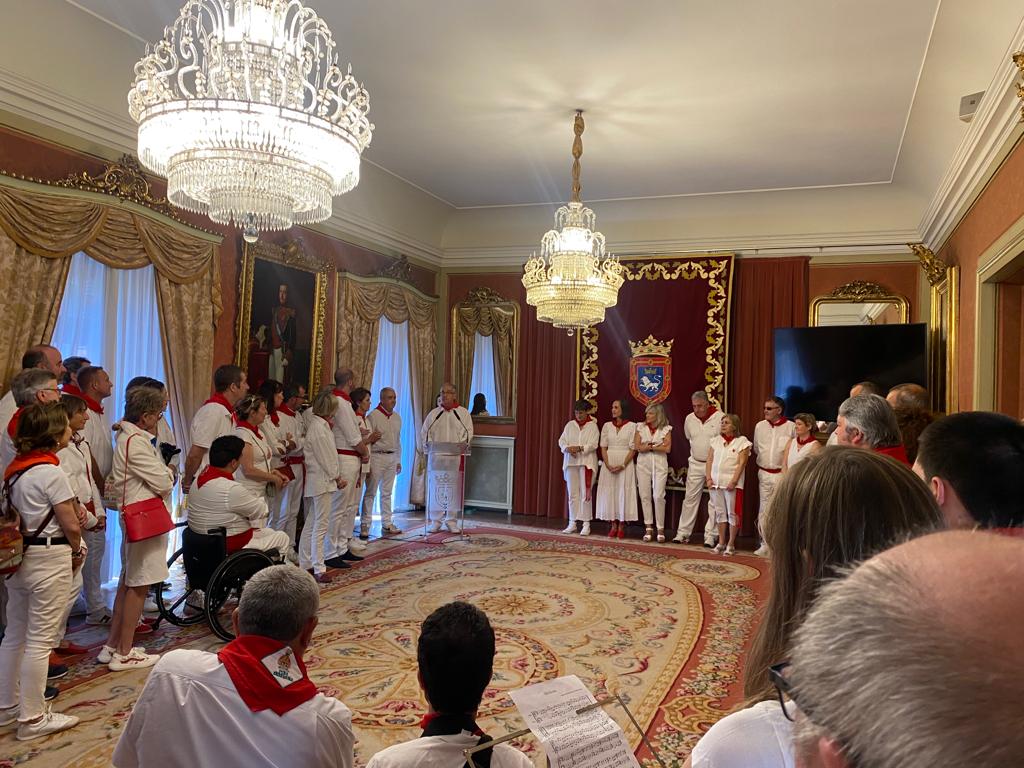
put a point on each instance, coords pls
(815, 367)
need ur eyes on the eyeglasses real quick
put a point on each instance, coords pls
(772, 408)
(784, 688)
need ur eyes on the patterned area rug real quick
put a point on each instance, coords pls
(663, 626)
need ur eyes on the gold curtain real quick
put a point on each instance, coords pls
(498, 322)
(361, 306)
(42, 230)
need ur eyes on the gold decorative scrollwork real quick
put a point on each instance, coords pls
(484, 295)
(1018, 59)
(399, 269)
(934, 267)
(586, 353)
(860, 290)
(124, 180)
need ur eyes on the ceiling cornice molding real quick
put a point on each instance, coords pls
(890, 243)
(345, 225)
(993, 130)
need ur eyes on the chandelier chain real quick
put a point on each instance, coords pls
(577, 153)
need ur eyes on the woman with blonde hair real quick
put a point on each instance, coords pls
(255, 472)
(829, 512)
(652, 443)
(323, 478)
(37, 593)
(803, 444)
(727, 462)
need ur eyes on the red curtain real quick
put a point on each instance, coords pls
(547, 386)
(767, 294)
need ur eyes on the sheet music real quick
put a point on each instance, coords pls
(590, 740)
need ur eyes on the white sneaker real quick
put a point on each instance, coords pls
(50, 722)
(150, 605)
(9, 715)
(720, 549)
(681, 538)
(570, 528)
(453, 525)
(356, 546)
(106, 654)
(391, 529)
(434, 527)
(730, 550)
(135, 659)
(762, 551)
(586, 530)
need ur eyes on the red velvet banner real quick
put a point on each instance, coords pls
(682, 300)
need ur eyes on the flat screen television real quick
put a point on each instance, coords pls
(815, 367)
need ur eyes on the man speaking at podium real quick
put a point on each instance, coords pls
(448, 423)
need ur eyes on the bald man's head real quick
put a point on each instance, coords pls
(915, 658)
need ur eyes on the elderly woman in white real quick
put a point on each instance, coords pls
(323, 478)
(256, 473)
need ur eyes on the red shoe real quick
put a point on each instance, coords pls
(150, 619)
(622, 530)
(71, 649)
(323, 578)
(143, 629)
(614, 530)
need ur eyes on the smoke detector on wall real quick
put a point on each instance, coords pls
(969, 105)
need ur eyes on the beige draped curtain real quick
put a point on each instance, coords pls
(42, 230)
(361, 305)
(498, 322)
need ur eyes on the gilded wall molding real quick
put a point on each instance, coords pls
(400, 269)
(934, 267)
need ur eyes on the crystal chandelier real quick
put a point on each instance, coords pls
(243, 108)
(573, 282)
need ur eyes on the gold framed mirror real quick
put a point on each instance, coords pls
(942, 338)
(282, 312)
(485, 349)
(859, 303)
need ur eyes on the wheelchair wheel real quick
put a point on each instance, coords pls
(174, 604)
(225, 588)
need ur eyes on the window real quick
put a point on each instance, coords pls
(109, 316)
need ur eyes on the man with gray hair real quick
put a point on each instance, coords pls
(250, 704)
(352, 453)
(41, 356)
(699, 427)
(385, 463)
(868, 421)
(34, 385)
(914, 660)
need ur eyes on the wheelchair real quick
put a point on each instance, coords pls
(213, 577)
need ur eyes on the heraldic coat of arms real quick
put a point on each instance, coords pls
(650, 370)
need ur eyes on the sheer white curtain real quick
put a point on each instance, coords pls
(483, 376)
(110, 317)
(392, 369)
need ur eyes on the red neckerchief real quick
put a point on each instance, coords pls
(250, 427)
(342, 394)
(94, 406)
(212, 473)
(24, 461)
(286, 411)
(728, 438)
(582, 424)
(711, 412)
(12, 425)
(381, 409)
(810, 439)
(275, 419)
(266, 673)
(894, 452)
(619, 423)
(72, 389)
(219, 399)
(452, 407)
(432, 716)
(781, 420)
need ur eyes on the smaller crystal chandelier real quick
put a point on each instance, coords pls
(573, 282)
(243, 108)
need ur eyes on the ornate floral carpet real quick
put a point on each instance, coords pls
(664, 626)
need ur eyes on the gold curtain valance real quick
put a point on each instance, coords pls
(371, 300)
(56, 226)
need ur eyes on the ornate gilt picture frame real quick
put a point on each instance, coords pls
(858, 292)
(943, 331)
(282, 314)
(483, 306)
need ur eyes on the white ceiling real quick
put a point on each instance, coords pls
(473, 102)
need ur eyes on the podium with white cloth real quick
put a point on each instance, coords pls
(446, 477)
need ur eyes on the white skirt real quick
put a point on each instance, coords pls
(616, 491)
(143, 562)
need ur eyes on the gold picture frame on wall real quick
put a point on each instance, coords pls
(943, 331)
(858, 292)
(282, 314)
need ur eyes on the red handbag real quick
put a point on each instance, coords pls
(143, 519)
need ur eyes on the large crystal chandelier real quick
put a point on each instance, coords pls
(242, 106)
(573, 282)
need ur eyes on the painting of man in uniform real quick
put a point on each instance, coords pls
(281, 324)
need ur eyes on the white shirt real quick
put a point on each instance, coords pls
(587, 437)
(261, 460)
(76, 461)
(620, 439)
(7, 409)
(35, 493)
(441, 426)
(346, 426)
(727, 458)
(390, 428)
(147, 475)
(224, 502)
(211, 421)
(323, 464)
(296, 427)
(444, 752)
(101, 440)
(190, 716)
(7, 452)
(699, 434)
(770, 442)
(756, 737)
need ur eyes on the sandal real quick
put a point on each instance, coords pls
(661, 536)
(649, 533)
(622, 530)
(613, 531)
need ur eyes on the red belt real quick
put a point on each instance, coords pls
(293, 460)
(345, 452)
(239, 540)
(769, 471)
(91, 506)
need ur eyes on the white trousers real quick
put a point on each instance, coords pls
(76, 589)
(723, 508)
(37, 596)
(314, 532)
(383, 470)
(580, 507)
(695, 481)
(343, 508)
(766, 484)
(285, 514)
(651, 476)
(265, 539)
(92, 573)
(276, 366)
